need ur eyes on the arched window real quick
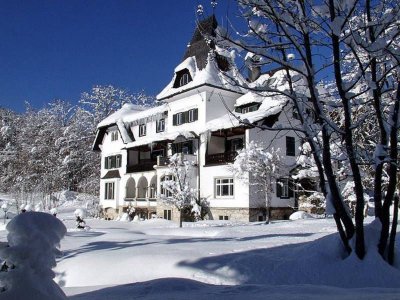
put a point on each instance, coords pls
(130, 189)
(153, 187)
(142, 188)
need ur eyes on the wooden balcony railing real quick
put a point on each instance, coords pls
(143, 165)
(221, 158)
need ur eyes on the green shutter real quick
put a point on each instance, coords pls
(291, 188)
(174, 117)
(195, 114)
(278, 188)
(106, 163)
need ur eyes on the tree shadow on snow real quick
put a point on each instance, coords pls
(103, 245)
(181, 240)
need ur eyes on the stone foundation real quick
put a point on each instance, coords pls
(232, 214)
(110, 213)
(248, 214)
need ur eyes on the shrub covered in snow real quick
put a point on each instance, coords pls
(27, 273)
(80, 212)
(314, 203)
(298, 215)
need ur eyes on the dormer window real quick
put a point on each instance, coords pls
(114, 136)
(182, 78)
(247, 108)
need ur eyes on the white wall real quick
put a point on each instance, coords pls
(207, 188)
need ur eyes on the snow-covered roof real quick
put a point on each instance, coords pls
(128, 114)
(126, 110)
(161, 136)
(269, 106)
(126, 117)
(210, 75)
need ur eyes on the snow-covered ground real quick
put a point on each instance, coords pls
(155, 259)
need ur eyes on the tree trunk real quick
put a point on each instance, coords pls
(180, 218)
(392, 173)
(393, 231)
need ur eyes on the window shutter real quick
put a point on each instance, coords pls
(291, 189)
(106, 163)
(185, 117)
(290, 146)
(278, 188)
(190, 146)
(195, 114)
(174, 117)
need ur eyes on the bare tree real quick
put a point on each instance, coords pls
(356, 45)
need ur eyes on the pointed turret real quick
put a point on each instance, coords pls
(198, 46)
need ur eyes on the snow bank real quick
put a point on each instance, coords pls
(33, 239)
(298, 215)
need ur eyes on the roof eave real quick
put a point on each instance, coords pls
(197, 86)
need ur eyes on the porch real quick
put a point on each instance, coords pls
(223, 146)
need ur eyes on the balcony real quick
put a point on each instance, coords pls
(164, 161)
(221, 158)
(142, 166)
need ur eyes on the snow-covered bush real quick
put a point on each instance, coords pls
(300, 215)
(54, 211)
(314, 203)
(80, 212)
(33, 239)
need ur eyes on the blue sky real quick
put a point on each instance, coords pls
(59, 49)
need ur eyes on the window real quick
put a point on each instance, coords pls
(142, 130)
(184, 147)
(290, 146)
(113, 162)
(164, 191)
(192, 115)
(155, 153)
(167, 214)
(284, 188)
(184, 79)
(235, 144)
(226, 218)
(153, 191)
(249, 108)
(160, 126)
(178, 119)
(223, 187)
(185, 117)
(109, 191)
(114, 136)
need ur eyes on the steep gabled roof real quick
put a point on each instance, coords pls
(199, 47)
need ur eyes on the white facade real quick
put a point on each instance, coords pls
(198, 119)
